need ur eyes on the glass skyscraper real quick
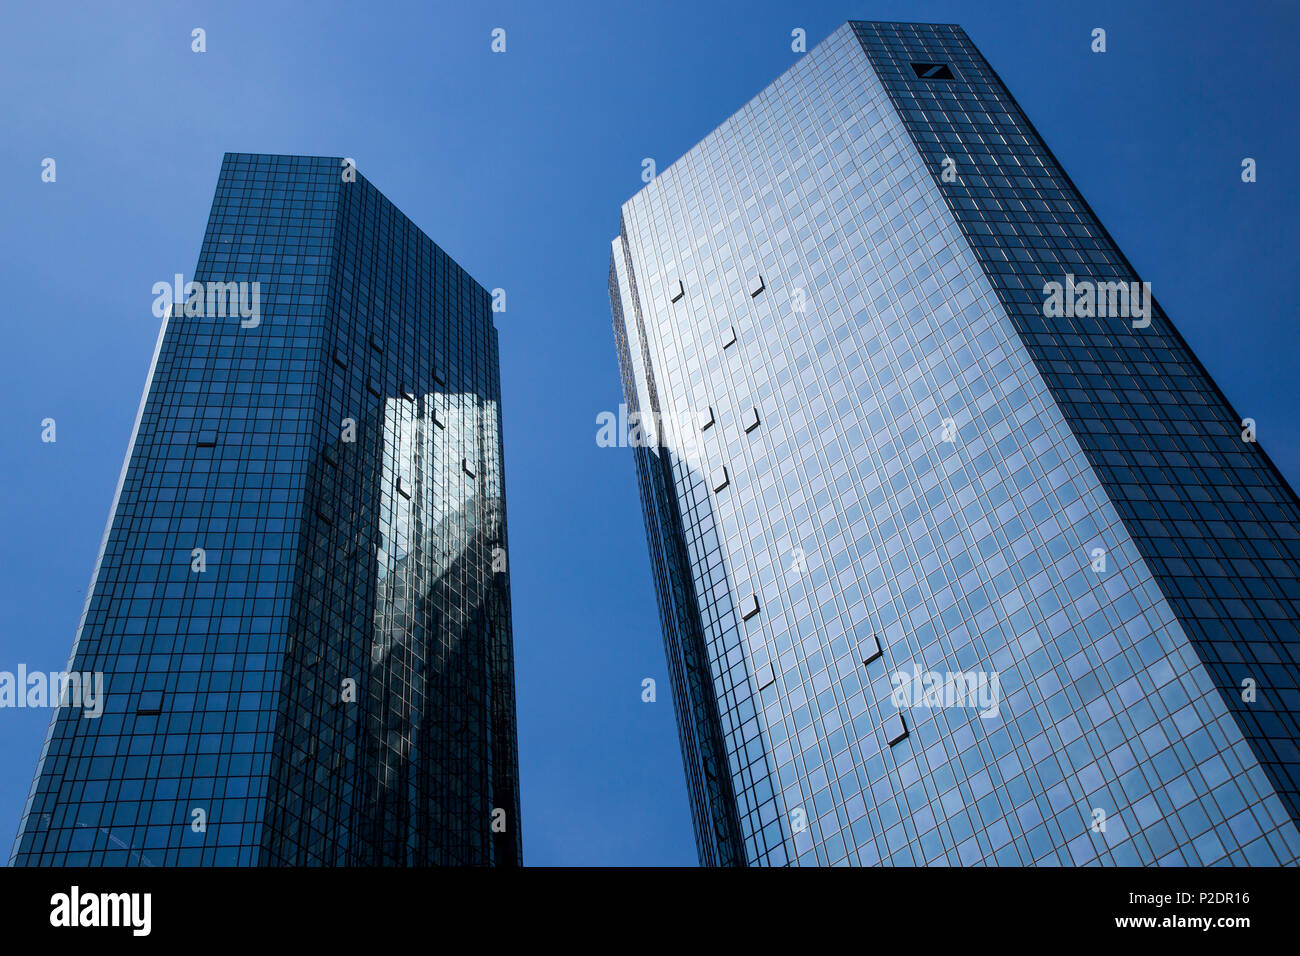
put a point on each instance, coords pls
(301, 605)
(948, 572)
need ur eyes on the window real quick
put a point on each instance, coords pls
(207, 438)
(676, 290)
(749, 420)
(749, 607)
(729, 336)
(932, 71)
(467, 466)
(149, 703)
(756, 285)
(765, 676)
(705, 418)
(869, 648)
(895, 729)
(720, 478)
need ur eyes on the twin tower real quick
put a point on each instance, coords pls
(945, 576)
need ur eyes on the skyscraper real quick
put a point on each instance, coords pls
(961, 555)
(301, 606)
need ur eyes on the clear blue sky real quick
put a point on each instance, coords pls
(517, 164)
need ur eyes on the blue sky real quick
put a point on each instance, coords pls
(517, 164)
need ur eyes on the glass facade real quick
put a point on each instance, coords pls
(879, 457)
(301, 605)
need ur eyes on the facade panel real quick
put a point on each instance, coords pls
(918, 492)
(301, 606)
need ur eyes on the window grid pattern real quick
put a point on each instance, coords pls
(699, 724)
(222, 686)
(855, 522)
(1216, 522)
